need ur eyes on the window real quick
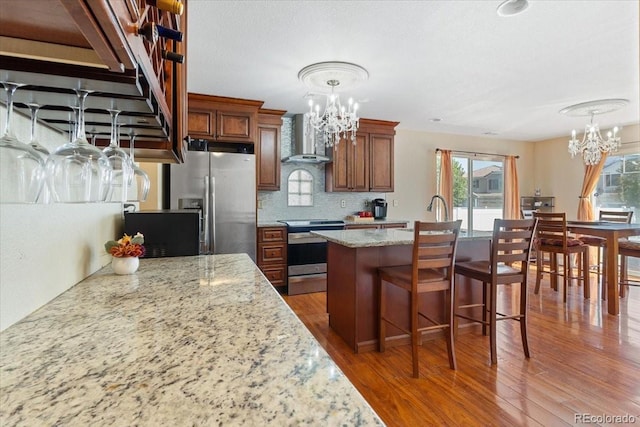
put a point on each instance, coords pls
(619, 184)
(300, 188)
(618, 189)
(478, 197)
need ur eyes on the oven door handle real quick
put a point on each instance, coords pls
(302, 238)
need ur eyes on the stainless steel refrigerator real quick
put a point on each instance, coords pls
(223, 186)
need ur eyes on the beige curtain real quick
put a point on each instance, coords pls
(511, 189)
(445, 184)
(589, 182)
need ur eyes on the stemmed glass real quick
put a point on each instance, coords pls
(120, 163)
(40, 149)
(21, 167)
(78, 172)
(140, 184)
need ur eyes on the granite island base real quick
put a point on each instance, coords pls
(202, 340)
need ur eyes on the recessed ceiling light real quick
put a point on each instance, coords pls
(435, 120)
(512, 7)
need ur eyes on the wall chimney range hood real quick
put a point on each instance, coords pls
(305, 149)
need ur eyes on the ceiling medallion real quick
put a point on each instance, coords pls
(593, 144)
(337, 121)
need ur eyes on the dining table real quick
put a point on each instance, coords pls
(612, 232)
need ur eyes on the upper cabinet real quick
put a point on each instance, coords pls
(367, 165)
(129, 53)
(268, 149)
(349, 170)
(222, 119)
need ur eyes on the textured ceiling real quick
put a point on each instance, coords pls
(454, 60)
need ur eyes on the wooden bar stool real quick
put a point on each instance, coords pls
(508, 263)
(627, 248)
(431, 270)
(552, 238)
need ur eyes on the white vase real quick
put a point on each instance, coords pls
(125, 265)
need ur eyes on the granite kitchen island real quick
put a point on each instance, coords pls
(202, 340)
(353, 258)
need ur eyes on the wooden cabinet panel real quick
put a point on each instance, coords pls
(200, 123)
(234, 126)
(222, 119)
(270, 235)
(268, 149)
(272, 254)
(367, 166)
(381, 162)
(349, 170)
(276, 275)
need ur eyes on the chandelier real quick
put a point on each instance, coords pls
(337, 121)
(593, 145)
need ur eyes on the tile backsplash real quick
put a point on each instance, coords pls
(272, 205)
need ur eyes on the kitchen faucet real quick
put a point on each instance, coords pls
(444, 203)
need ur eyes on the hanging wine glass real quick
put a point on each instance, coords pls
(120, 163)
(21, 167)
(45, 195)
(140, 184)
(79, 172)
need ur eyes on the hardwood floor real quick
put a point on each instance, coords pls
(583, 361)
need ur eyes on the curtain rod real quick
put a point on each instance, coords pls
(476, 153)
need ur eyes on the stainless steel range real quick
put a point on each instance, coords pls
(307, 255)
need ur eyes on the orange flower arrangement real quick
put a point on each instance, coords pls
(127, 246)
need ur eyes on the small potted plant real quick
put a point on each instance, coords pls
(125, 253)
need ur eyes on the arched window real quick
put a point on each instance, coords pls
(300, 188)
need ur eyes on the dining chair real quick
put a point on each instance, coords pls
(627, 248)
(508, 263)
(601, 244)
(431, 270)
(552, 238)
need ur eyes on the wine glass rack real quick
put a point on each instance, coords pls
(57, 46)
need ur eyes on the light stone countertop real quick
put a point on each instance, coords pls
(263, 224)
(382, 237)
(202, 340)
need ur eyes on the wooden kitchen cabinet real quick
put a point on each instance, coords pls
(222, 119)
(55, 45)
(367, 166)
(268, 149)
(349, 170)
(272, 255)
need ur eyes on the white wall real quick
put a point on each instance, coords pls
(46, 249)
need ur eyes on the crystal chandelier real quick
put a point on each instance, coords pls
(593, 145)
(337, 121)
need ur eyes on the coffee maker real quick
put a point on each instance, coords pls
(379, 208)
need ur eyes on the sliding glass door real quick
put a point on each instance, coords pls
(478, 191)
